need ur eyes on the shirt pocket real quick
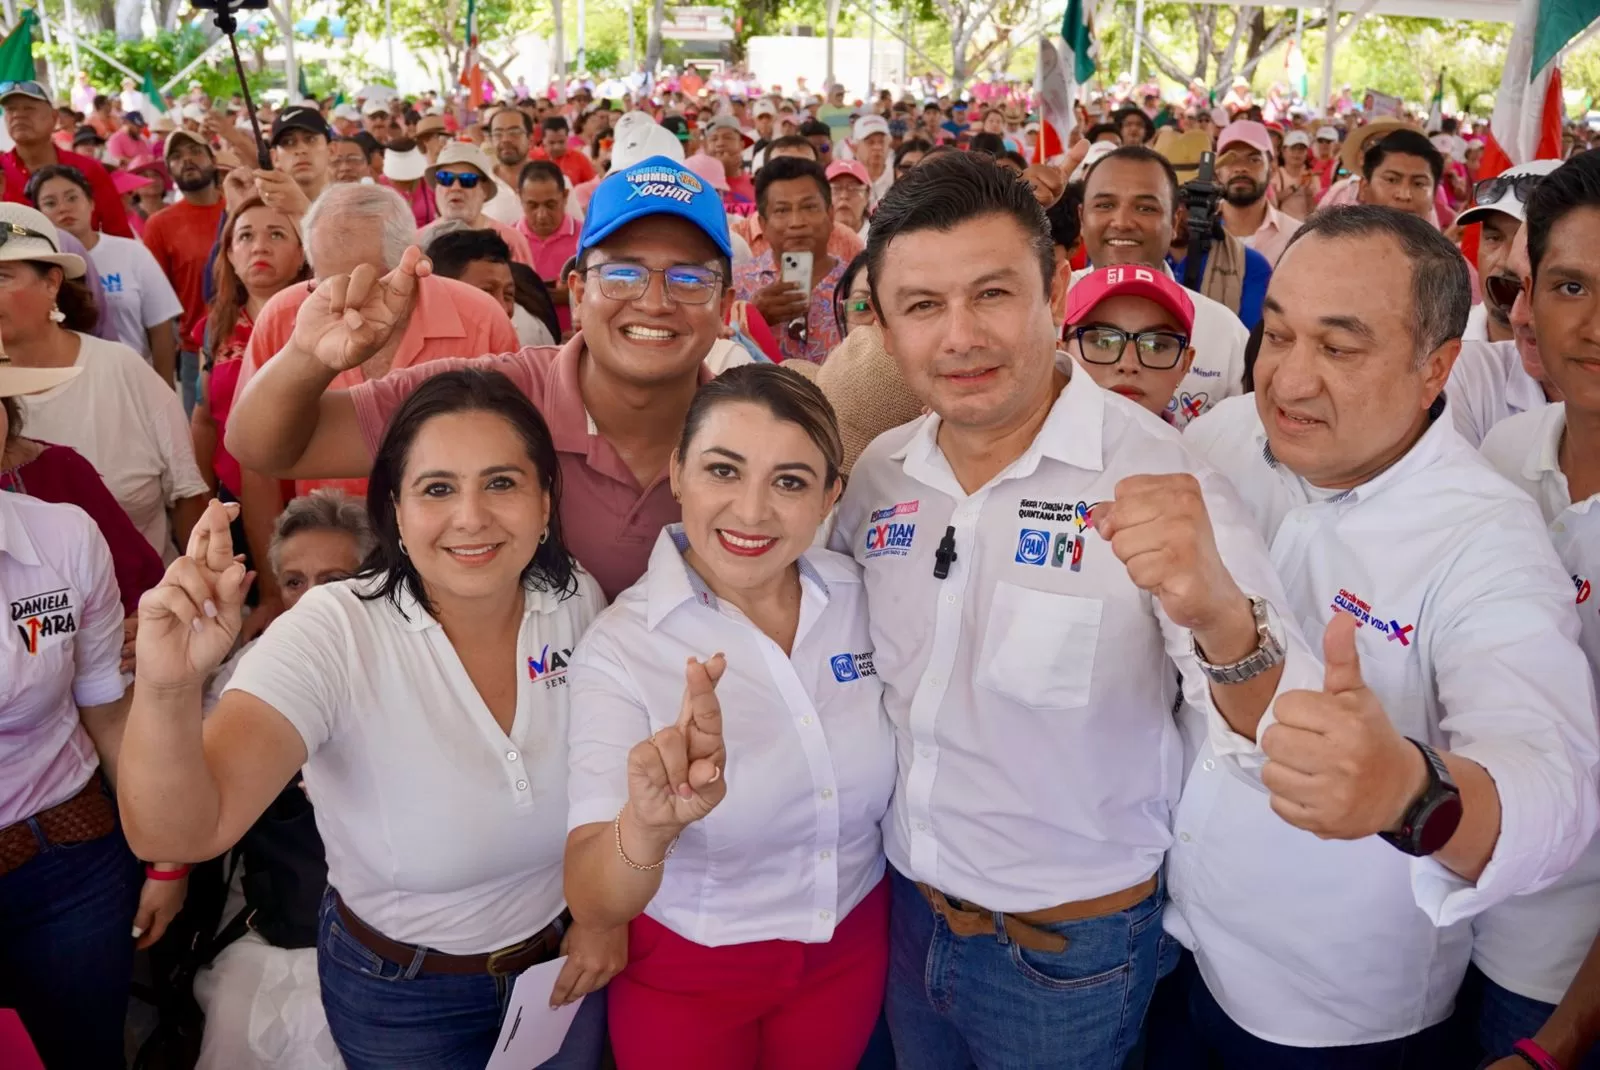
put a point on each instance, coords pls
(1039, 647)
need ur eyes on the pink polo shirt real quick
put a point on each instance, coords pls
(1273, 236)
(449, 320)
(550, 254)
(609, 521)
(514, 240)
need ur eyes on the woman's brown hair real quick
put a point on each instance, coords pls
(228, 292)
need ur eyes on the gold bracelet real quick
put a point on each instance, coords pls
(616, 825)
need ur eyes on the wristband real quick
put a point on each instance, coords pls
(166, 874)
(1534, 1055)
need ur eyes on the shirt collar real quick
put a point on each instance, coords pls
(1545, 457)
(435, 316)
(571, 426)
(670, 581)
(1072, 433)
(14, 538)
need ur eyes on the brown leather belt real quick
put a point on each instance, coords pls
(966, 919)
(542, 946)
(86, 816)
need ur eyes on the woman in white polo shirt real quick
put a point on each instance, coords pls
(425, 699)
(763, 941)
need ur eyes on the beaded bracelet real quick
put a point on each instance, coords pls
(616, 825)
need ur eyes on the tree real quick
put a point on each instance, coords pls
(652, 48)
(1212, 34)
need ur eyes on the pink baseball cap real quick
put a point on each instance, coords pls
(853, 168)
(709, 168)
(1130, 280)
(127, 182)
(1245, 131)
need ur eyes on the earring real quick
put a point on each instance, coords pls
(403, 551)
(57, 316)
(544, 536)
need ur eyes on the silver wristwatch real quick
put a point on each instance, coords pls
(1268, 652)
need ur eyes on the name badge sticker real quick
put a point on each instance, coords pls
(44, 620)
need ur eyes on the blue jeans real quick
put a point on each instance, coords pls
(66, 949)
(956, 1002)
(1189, 1030)
(188, 380)
(1490, 1018)
(389, 1017)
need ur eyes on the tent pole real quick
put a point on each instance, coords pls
(1330, 38)
(1138, 36)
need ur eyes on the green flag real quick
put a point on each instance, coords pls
(1558, 23)
(1075, 30)
(152, 93)
(16, 51)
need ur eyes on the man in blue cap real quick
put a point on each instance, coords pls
(651, 286)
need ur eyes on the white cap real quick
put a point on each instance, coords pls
(348, 112)
(868, 125)
(376, 106)
(1508, 201)
(765, 107)
(639, 137)
(1327, 133)
(1297, 137)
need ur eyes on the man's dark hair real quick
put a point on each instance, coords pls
(368, 143)
(787, 169)
(1138, 154)
(453, 251)
(1573, 185)
(992, 144)
(527, 123)
(555, 122)
(1098, 129)
(1014, 157)
(1121, 115)
(101, 101)
(789, 141)
(814, 128)
(541, 170)
(1404, 143)
(412, 117)
(1441, 291)
(910, 145)
(950, 188)
(1449, 124)
(1065, 225)
(401, 144)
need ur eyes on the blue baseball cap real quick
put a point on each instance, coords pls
(655, 186)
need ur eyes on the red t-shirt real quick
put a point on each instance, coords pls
(110, 216)
(574, 164)
(181, 236)
(62, 474)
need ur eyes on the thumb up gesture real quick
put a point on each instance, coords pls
(1337, 767)
(675, 776)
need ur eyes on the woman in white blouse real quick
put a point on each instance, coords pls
(421, 699)
(735, 829)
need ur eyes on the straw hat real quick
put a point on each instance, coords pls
(863, 384)
(458, 153)
(46, 249)
(1183, 152)
(1360, 139)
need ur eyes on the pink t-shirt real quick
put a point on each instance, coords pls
(610, 523)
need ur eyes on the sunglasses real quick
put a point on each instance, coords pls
(28, 88)
(468, 179)
(9, 231)
(1491, 190)
(1502, 290)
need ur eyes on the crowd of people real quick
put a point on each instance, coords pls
(629, 532)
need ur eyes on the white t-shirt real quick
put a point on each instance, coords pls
(131, 427)
(505, 206)
(138, 294)
(1488, 384)
(441, 829)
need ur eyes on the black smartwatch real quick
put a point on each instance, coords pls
(1432, 818)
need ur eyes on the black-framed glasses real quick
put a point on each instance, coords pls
(468, 179)
(686, 284)
(27, 87)
(1491, 190)
(1503, 290)
(12, 230)
(1157, 350)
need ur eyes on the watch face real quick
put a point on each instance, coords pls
(1438, 824)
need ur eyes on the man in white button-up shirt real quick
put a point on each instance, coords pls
(1527, 951)
(1038, 604)
(1452, 657)
(1130, 202)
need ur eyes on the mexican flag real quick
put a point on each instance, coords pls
(1294, 65)
(1078, 34)
(1528, 109)
(16, 51)
(1436, 108)
(1055, 103)
(152, 93)
(471, 69)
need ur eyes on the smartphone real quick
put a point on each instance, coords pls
(797, 269)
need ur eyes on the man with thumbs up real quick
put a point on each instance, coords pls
(1447, 760)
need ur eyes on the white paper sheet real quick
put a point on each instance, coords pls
(532, 1032)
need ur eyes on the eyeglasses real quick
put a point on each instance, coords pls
(1156, 350)
(1503, 290)
(1491, 190)
(29, 88)
(468, 179)
(686, 284)
(12, 230)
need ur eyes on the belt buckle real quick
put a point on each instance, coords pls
(497, 959)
